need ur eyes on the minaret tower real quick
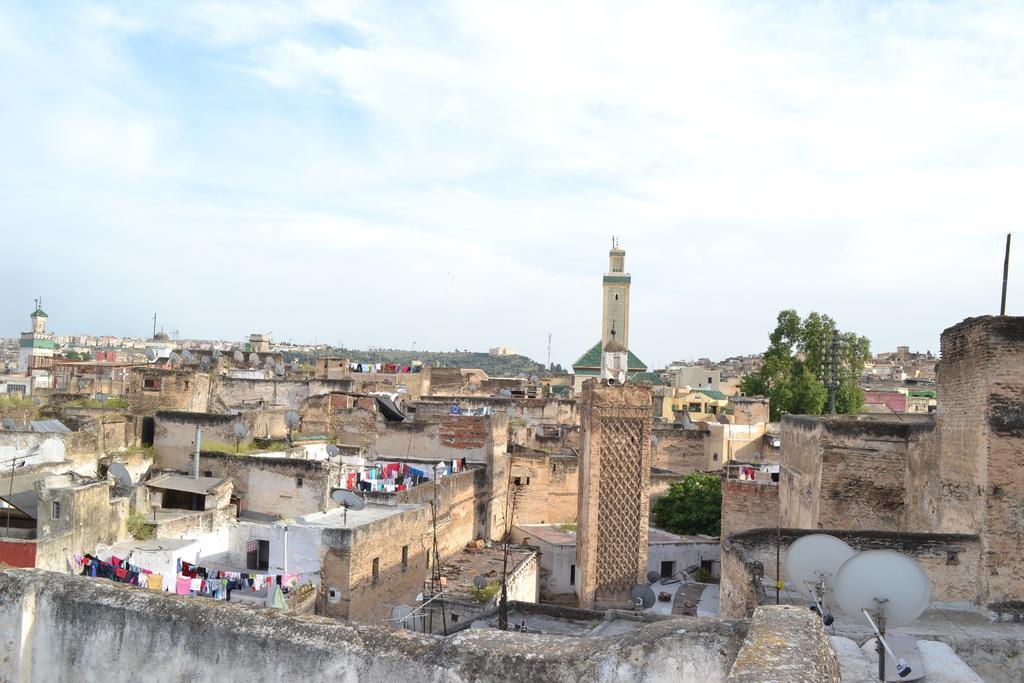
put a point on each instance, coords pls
(615, 315)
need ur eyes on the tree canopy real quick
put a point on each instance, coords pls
(692, 506)
(797, 366)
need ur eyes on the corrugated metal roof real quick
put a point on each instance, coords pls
(48, 426)
(179, 482)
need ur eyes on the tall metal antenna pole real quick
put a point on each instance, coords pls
(1006, 273)
(154, 325)
(549, 352)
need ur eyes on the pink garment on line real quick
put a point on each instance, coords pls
(183, 586)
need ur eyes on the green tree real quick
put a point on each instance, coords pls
(797, 366)
(692, 506)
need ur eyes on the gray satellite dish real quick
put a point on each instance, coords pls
(151, 355)
(204, 364)
(254, 359)
(654, 440)
(120, 473)
(188, 356)
(174, 359)
(292, 419)
(504, 393)
(333, 450)
(811, 565)
(533, 379)
(240, 431)
(480, 582)
(400, 616)
(268, 363)
(653, 576)
(239, 357)
(9, 425)
(279, 369)
(642, 596)
(216, 353)
(295, 366)
(102, 398)
(348, 501)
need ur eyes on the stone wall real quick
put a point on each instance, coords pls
(785, 644)
(48, 632)
(981, 427)
(952, 562)
(679, 450)
(174, 436)
(281, 487)
(858, 472)
(547, 489)
(153, 389)
(748, 505)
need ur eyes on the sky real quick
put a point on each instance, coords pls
(451, 173)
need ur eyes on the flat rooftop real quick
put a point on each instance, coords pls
(461, 568)
(553, 534)
(337, 519)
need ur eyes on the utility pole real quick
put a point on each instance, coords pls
(833, 375)
(1006, 273)
(549, 350)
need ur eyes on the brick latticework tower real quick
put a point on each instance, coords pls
(611, 547)
(981, 447)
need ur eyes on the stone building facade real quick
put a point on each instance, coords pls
(614, 477)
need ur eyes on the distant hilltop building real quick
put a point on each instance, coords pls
(501, 351)
(611, 358)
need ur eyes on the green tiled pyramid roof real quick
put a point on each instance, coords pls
(592, 360)
(39, 313)
(712, 394)
(648, 377)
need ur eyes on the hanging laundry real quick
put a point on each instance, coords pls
(155, 581)
(183, 586)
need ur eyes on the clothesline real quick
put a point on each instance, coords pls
(190, 579)
(390, 368)
(391, 477)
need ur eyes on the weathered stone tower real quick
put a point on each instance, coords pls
(981, 447)
(611, 540)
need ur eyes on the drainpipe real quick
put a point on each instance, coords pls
(195, 464)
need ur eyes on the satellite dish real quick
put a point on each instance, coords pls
(279, 369)
(239, 358)
(254, 359)
(120, 473)
(295, 366)
(174, 359)
(812, 563)
(480, 582)
(505, 393)
(188, 356)
(216, 353)
(884, 589)
(292, 419)
(102, 398)
(642, 596)
(204, 364)
(534, 379)
(333, 450)
(399, 616)
(348, 501)
(240, 431)
(268, 363)
(9, 425)
(873, 576)
(654, 440)
(151, 355)
(653, 576)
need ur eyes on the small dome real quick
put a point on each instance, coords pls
(161, 337)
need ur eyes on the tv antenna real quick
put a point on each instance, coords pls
(348, 501)
(400, 616)
(884, 588)
(811, 566)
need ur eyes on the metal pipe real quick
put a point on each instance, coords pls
(199, 438)
(1006, 273)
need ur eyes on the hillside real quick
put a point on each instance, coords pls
(495, 366)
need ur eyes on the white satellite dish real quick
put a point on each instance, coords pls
(239, 357)
(254, 359)
(151, 355)
(883, 589)
(332, 450)
(292, 419)
(174, 359)
(811, 565)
